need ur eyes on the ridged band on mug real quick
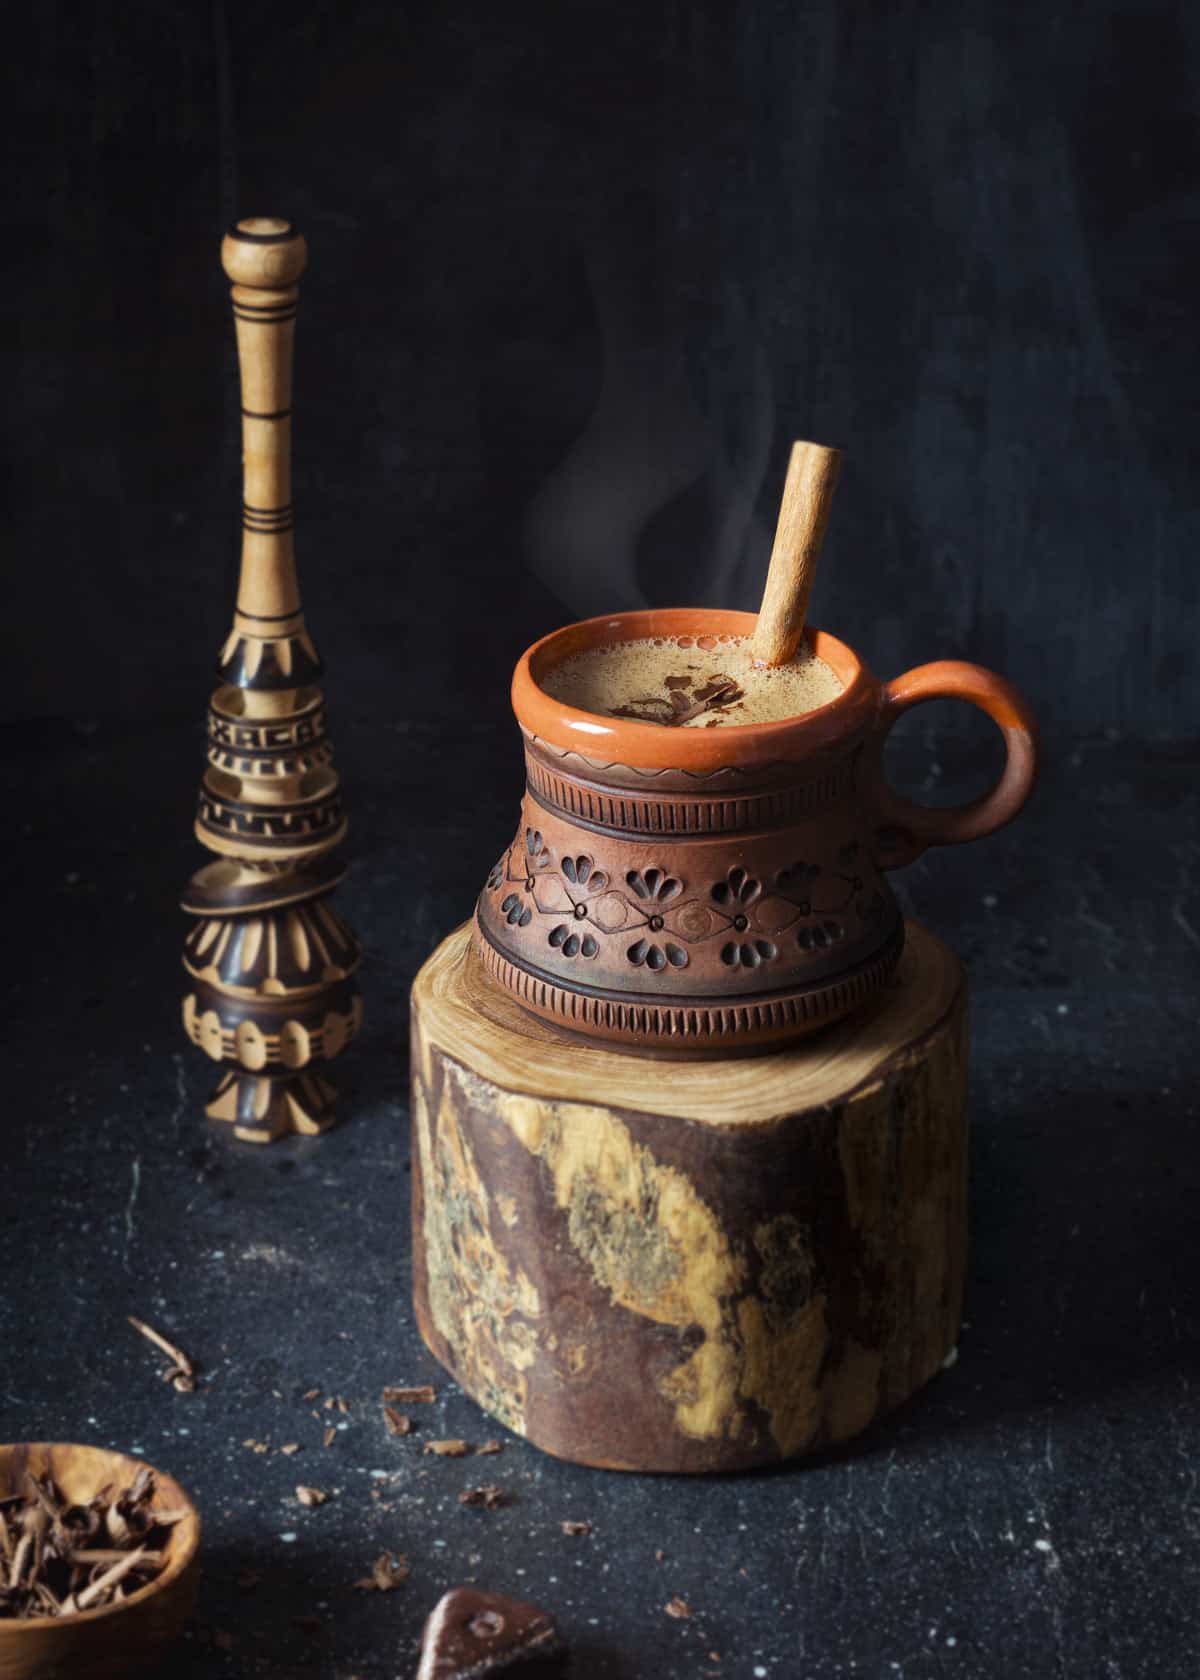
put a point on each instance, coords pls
(698, 1025)
(628, 811)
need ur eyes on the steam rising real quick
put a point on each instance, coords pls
(665, 429)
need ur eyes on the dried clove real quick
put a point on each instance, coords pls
(54, 1559)
(181, 1373)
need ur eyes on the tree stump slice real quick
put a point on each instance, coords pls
(646, 1264)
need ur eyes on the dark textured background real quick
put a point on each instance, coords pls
(577, 276)
(578, 273)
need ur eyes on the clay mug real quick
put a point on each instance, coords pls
(717, 890)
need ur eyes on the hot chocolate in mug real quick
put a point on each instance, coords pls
(716, 889)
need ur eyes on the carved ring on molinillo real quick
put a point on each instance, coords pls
(232, 734)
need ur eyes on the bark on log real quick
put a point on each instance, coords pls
(688, 1266)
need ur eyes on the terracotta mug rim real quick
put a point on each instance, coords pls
(652, 747)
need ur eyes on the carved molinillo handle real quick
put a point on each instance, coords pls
(264, 256)
(271, 964)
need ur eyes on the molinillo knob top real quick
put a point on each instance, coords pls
(264, 251)
(271, 963)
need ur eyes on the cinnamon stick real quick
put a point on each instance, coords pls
(812, 477)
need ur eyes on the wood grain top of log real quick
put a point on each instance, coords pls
(468, 1018)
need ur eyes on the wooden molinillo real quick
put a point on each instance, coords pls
(272, 994)
(688, 1265)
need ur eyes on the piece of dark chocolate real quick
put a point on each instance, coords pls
(471, 1634)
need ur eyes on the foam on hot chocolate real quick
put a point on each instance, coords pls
(690, 682)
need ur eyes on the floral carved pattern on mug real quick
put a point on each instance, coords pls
(808, 902)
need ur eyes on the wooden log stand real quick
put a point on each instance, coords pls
(646, 1264)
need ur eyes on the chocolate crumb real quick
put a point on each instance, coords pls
(490, 1497)
(569, 1527)
(447, 1449)
(423, 1396)
(487, 1448)
(396, 1422)
(387, 1573)
(678, 1607)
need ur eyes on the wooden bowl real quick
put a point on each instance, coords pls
(116, 1639)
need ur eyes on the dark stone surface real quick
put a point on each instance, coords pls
(1034, 1513)
(578, 274)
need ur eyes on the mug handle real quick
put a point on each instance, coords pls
(906, 828)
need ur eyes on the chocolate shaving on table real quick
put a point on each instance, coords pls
(490, 1497)
(472, 1634)
(58, 1558)
(423, 1396)
(387, 1573)
(447, 1449)
(396, 1423)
